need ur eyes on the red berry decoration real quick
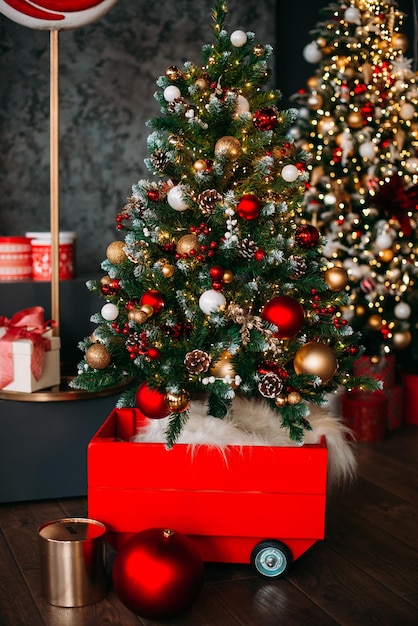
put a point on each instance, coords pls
(265, 118)
(158, 573)
(249, 207)
(151, 402)
(285, 313)
(307, 236)
(153, 298)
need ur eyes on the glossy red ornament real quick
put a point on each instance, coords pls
(153, 195)
(265, 118)
(285, 313)
(216, 272)
(259, 254)
(249, 207)
(153, 353)
(151, 402)
(153, 298)
(307, 236)
(158, 573)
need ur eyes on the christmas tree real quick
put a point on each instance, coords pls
(216, 289)
(359, 120)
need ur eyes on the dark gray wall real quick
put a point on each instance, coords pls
(107, 80)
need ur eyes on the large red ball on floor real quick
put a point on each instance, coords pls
(151, 402)
(158, 573)
(285, 313)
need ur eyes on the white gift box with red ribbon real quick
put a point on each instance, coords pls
(29, 353)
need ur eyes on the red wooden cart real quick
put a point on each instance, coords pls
(260, 505)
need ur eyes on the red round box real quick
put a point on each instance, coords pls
(365, 413)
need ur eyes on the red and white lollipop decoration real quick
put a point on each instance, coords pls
(55, 14)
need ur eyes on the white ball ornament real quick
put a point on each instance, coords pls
(211, 301)
(329, 199)
(367, 150)
(407, 111)
(352, 15)
(383, 241)
(402, 311)
(290, 173)
(175, 198)
(109, 311)
(171, 93)
(238, 38)
(311, 53)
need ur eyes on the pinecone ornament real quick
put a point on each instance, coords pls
(197, 361)
(299, 266)
(248, 247)
(160, 160)
(207, 200)
(270, 385)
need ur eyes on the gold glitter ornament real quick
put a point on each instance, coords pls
(336, 278)
(98, 356)
(137, 315)
(200, 165)
(115, 252)
(177, 402)
(187, 243)
(173, 72)
(228, 147)
(294, 397)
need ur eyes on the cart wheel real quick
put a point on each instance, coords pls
(271, 559)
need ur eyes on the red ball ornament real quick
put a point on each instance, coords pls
(259, 254)
(249, 207)
(153, 195)
(216, 272)
(265, 118)
(307, 236)
(151, 402)
(285, 313)
(153, 353)
(153, 298)
(158, 573)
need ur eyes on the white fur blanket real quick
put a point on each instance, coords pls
(253, 423)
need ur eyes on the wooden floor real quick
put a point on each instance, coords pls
(364, 573)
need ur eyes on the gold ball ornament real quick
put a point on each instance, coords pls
(105, 280)
(228, 147)
(375, 322)
(259, 50)
(360, 309)
(227, 276)
(98, 356)
(294, 397)
(223, 367)
(167, 270)
(336, 278)
(137, 315)
(176, 141)
(317, 359)
(177, 402)
(355, 120)
(173, 72)
(386, 255)
(187, 243)
(280, 401)
(115, 252)
(312, 82)
(200, 165)
(315, 101)
(202, 84)
(401, 340)
(147, 309)
(400, 42)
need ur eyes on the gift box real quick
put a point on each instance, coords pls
(382, 369)
(410, 399)
(365, 413)
(29, 353)
(227, 501)
(394, 407)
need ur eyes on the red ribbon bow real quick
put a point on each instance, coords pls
(26, 324)
(396, 201)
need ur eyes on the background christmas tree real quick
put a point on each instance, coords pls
(359, 120)
(216, 290)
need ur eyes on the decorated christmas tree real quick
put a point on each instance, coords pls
(359, 120)
(216, 289)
